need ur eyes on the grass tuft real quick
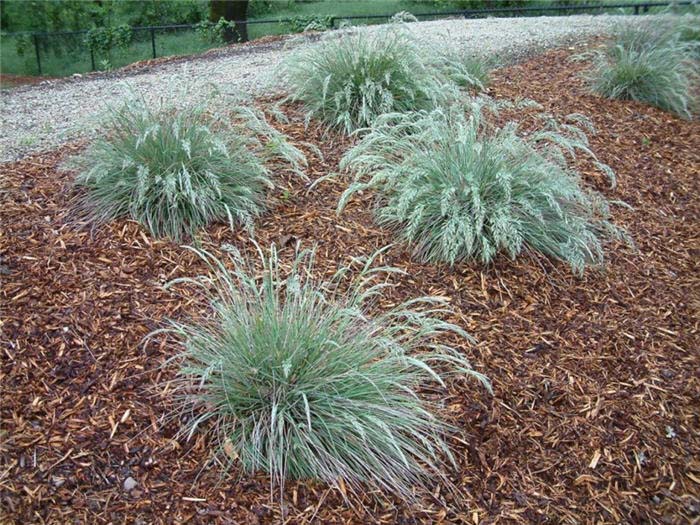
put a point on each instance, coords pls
(458, 188)
(403, 17)
(654, 65)
(302, 379)
(177, 169)
(466, 70)
(348, 80)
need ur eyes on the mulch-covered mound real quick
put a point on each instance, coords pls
(595, 417)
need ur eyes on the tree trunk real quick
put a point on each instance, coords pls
(235, 10)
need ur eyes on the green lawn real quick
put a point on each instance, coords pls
(343, 8)
(59, 59)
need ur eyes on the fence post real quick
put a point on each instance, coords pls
(332, 22)
(92, 58)
(36, 49)
(153, 42)
(636, 10)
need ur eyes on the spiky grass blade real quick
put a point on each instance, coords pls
(302, 379)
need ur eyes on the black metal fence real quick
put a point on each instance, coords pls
(66, 52)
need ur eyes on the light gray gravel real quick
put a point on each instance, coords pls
(41, 117)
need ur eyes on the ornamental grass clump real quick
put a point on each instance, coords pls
(304, 379)
(655, 65)
(348, 80)
(457, 188)
(466, 70)
(177, 169)
(689, 33)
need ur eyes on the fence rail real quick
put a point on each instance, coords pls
(39, 39)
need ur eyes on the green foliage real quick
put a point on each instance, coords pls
(71, 15)
(232, 11)
(23, 44)
(50, 15)
(650, 64)
(107, 21)
(263, 8)
(298, 24)
(106, 65)
(348, 80)
(104, 39)
(175, 170)
(457, 187)
(213, 33)
(477, 4)
(160, 12)
(690, 34)
(304, 379)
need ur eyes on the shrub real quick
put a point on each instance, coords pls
(104, 39)
(175, 170)
(301, 379)
(299, 24)
(215, 33)
(648, 64)
(348, 80)
(459, 188)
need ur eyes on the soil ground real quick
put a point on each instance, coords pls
(595, 416)
(13, 81)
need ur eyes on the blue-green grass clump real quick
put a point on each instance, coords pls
(656, 65)
(307, 379)
(458, 188)
(177, 169)
(466, 70)
(348, 80)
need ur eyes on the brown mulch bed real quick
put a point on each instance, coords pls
(595, 417)
(12, 81)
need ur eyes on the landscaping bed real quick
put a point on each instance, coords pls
(594, 416)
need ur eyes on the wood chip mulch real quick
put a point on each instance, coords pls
(595, 417)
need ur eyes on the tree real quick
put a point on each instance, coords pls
(233, 10)
(51, 15)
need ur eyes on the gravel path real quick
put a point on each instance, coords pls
(43, 116)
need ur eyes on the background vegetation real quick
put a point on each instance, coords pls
(67, 54)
